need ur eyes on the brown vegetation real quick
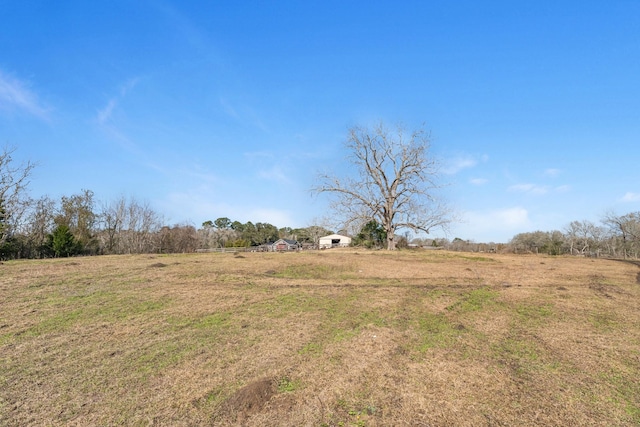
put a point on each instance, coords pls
(332, 338)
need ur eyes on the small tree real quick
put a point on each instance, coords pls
(62, 242)
(77, 213)
(371, 235)
(396, 184)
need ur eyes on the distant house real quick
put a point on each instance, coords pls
(334, 241)
(285, 245)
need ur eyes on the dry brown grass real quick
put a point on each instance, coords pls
(332, 338)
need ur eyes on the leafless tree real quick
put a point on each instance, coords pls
(14, 179)
(142, 224)
(582, 237)
(626, 228)
(397, 182)
(129, 226)
(112, 217)
(181, 238)
(40, 224)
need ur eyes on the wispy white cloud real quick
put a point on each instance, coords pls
(455, 165)
(275, 173)
(105, 120)
(104, 114)
(16, 95)
(259, 155)
(184, 27)
(478, 181)
(528, 188)
(244, 113)
(269, 167)
(630, 197)
(538, 190)
(551, 172)
(229, 109)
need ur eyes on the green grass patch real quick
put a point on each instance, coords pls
(474, 300)
(534, 311)
(316, 271)
(478, 258)
(604, 321)
(56, 323)
(286, 305)
(286, 385)
(435, 330)
(160, 356)
(212, 321)
(312, 348)
(475, 258)
(520, 354)
(625, 391)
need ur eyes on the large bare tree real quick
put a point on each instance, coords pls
(396, 183)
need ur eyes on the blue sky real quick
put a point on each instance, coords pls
(207, 109)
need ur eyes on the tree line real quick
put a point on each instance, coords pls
(616, 236)
(80, 225)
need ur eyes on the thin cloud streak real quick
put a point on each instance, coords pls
(104, 114)
(15, 95)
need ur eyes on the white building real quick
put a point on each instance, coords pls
(334, 241)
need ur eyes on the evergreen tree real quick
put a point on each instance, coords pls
(62, 242)
(371, 235)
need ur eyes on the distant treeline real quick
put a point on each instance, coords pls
(616, 236)
(78, 225)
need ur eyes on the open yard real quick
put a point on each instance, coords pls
(331, 338)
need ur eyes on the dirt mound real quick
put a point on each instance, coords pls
(158, 265)
(250, 399)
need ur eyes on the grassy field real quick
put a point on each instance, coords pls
(331, 338)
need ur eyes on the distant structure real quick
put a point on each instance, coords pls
(334, 241)
(283, 245)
